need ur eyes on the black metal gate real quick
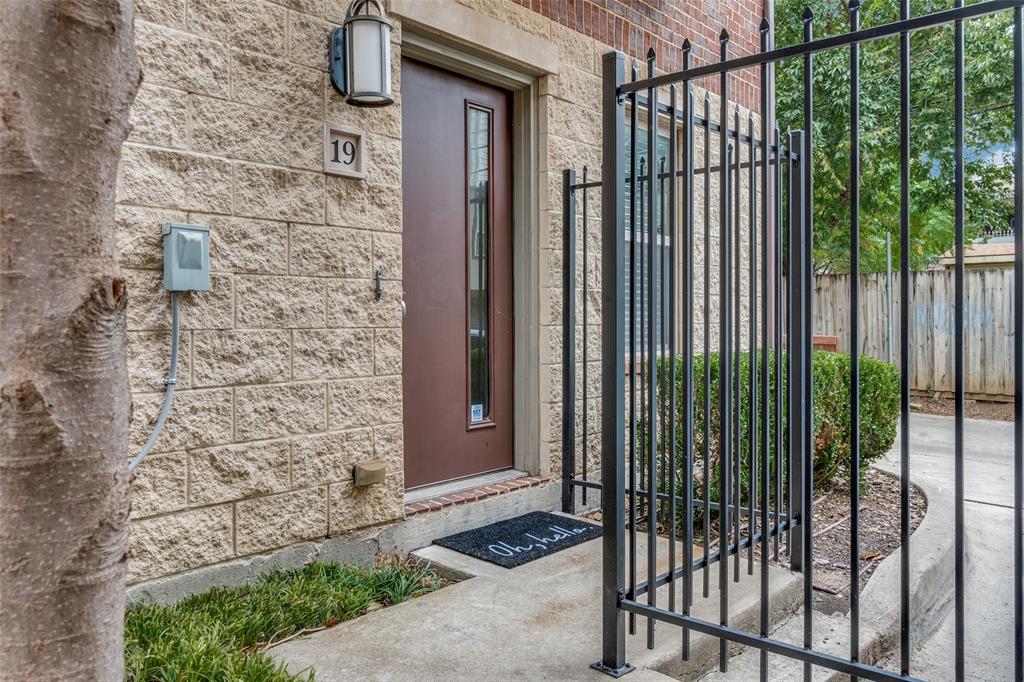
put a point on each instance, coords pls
(751, 450)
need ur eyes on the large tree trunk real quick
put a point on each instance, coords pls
(67, 78)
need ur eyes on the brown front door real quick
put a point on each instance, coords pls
(457, 272)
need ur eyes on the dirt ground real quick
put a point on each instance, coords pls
(975, 409)
(879, 535)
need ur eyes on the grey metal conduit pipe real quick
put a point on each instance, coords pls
(172, 376)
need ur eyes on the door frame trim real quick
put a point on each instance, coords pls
(526, 398)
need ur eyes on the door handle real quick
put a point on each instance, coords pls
(403, 309)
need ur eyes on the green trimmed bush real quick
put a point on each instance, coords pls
(879, 412)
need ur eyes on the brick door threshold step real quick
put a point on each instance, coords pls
(472, 494)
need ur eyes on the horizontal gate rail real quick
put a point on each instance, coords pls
(742, 476)
(707, 123)
(764, 643)
(714, 557)
(803, 49)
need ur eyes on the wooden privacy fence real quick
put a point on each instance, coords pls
(988, 320)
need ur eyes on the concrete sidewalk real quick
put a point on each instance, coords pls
(988, 484)
(988, 526)
(931, 584)
(540, 621)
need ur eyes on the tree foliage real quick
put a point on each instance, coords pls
(988, 117)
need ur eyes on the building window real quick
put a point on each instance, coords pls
(662, 244)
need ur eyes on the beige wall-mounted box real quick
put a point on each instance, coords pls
(368, 473)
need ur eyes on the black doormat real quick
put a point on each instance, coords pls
(514, 542)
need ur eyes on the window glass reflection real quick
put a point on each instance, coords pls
(479, 162)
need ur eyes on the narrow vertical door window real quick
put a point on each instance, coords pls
(478, 143)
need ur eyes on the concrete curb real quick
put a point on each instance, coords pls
(931, 577)
(784, 598)
(931, 582)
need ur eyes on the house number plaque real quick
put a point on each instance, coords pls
(343, 151)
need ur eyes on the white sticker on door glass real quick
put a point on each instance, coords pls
(476, 413)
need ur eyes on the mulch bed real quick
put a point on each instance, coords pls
(975, 409)
(879, 535)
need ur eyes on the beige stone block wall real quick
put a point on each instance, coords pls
(290, 371)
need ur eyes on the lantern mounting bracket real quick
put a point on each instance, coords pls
(339, 79)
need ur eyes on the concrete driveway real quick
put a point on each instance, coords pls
(988, 477)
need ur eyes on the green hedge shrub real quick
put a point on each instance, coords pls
(879, 411)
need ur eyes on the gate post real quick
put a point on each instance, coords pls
(569, 340)
(796, 364)
(613, 368)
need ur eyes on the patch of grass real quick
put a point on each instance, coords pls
(222, 634)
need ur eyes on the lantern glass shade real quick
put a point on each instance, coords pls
(369, 55)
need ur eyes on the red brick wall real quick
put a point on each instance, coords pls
(634, 25)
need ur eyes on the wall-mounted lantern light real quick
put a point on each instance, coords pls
(361, 56)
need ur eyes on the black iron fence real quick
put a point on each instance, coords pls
(706, 406)
(575, 223)
(990, 232)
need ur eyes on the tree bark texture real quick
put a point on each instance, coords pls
(68, 75)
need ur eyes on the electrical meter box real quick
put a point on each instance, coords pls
(186, 257)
